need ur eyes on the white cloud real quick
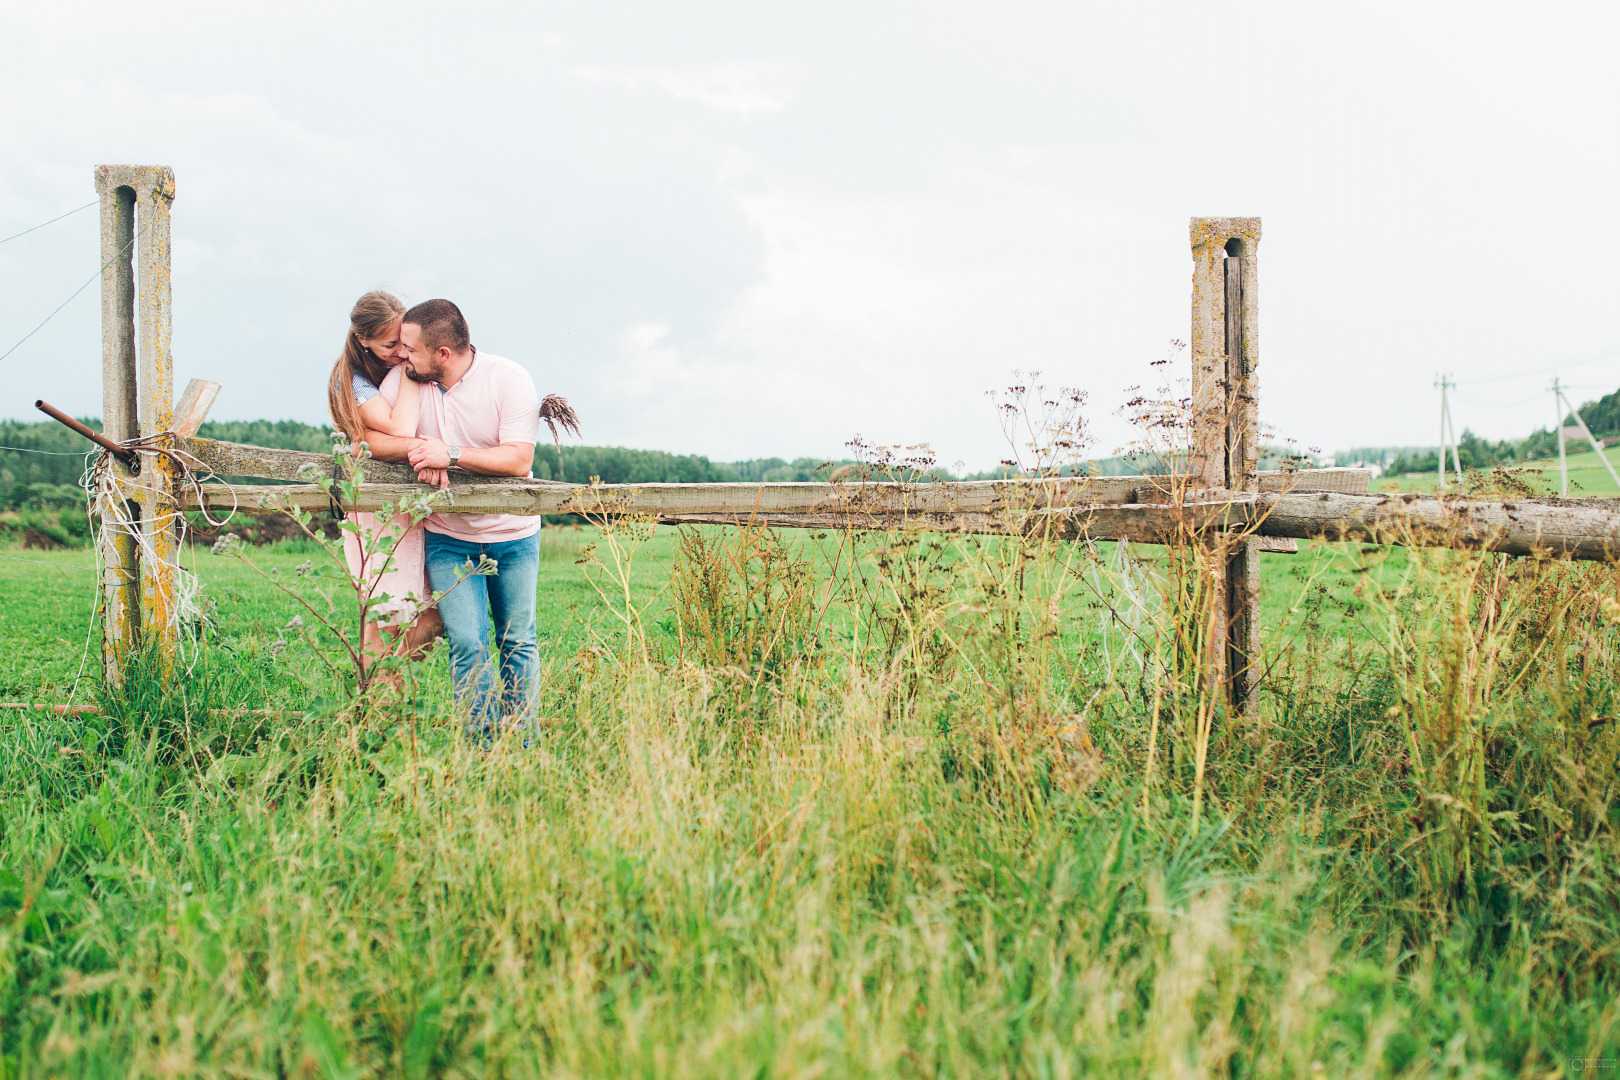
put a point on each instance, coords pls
(892, 317)
(742, 88)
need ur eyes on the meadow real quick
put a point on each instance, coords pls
(1587, 476)
(885, 805)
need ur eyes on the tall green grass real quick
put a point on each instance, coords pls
(895, 804)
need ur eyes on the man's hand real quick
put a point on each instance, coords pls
(507, 459)
(430, 453)
(439, 478)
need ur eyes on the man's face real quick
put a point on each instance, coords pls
(421, 363)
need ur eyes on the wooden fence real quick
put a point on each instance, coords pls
(1226, 503)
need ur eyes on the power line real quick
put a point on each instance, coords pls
(53, 221)
(52, 453)
(1493, 403)
(76, 292)
(42, 562)
(1608, 353)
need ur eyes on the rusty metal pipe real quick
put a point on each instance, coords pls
(124, 454)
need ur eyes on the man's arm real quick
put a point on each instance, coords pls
(507, 459)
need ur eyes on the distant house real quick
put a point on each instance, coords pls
(1573, 434)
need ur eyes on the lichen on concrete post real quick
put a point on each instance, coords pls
(120, 412)
(138, 302)
(1226, 432)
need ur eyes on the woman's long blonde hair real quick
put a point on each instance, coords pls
(369, 318)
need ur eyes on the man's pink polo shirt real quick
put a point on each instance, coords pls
(494, 403)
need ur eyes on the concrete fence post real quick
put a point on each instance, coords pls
(137, 401)
(1226, 433)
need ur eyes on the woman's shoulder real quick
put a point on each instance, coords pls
(364, 389)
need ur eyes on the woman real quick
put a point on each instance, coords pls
(364, 415)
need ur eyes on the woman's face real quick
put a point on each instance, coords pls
(385, 346)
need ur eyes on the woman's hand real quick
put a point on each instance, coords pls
(430, 454)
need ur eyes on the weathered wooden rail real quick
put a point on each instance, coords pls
(1120, 507)
(267, 463)
(471, 493)
(1105, 509)
(1225, 502)
(1572, 528)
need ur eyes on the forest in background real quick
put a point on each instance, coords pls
(1474, 452)
(41, 502)
(40, 465)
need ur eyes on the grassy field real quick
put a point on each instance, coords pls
(1587, 476)
(916, 807)
(46, 612)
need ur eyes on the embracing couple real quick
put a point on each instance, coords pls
(411, 384)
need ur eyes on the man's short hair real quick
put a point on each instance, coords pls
(442, 325)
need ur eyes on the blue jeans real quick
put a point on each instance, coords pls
(507, 598)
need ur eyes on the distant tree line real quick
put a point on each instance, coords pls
(618, 465)
(48, 481)
(41, 503)
(41, 463)
(1473, 452)
(54, 475)
(1602, 417)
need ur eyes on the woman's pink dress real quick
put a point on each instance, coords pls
(403, 586)
(405, 581)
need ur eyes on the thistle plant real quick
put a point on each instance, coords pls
(346, 602)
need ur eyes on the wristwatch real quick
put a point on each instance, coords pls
(455, 454)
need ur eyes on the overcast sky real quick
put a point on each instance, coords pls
(756, 229)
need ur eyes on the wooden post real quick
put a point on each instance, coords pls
(1226, 434)
(194, 405)
(138, 400)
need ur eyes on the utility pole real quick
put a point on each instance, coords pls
(1565, 408)
(1444, 383)
(1563, 464)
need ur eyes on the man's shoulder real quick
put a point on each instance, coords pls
(504, 372)
(501, 365)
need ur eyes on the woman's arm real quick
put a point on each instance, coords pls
(386, 447)
(398, 419)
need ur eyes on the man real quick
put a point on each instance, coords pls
(479, 412)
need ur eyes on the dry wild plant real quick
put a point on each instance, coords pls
(1045, 428)
(556, 412)
(1174, 632)
(744, 604)
(316, 588)
(894, 463)
(1162, 419)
